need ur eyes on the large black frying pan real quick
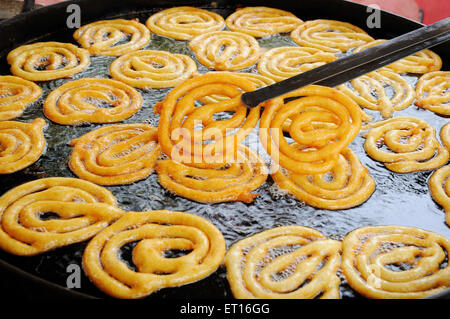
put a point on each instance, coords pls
(399, 199)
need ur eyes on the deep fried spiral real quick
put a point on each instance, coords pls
(21, 144)
(155, 232)
(184, 23)
(116, 154)
(225, 50)
(284, 62)
(147, 69)
(233, 182)
(330, 35)
(322, 122)
(45, 61)
(396, 262)
(15, 95)
(112, 37)
(347, 184)
(445, 135)
(92, 100)
(411, 145)
(433, 93)
(262, 21)
(82, 208)
(284, 262)
(439, 184)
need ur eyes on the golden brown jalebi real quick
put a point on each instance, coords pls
(284, 262)
(284, 62)
(421, 62)
(225, 50)
(184, 23)
(45, 61)
(322, 122)
(15, 95)
(190, 134)
(262, 21)
(330, 35)
(433, 93)
(147, 69)
(156, 233)
(410, 145)
(439, 184)
(112, 37)
(92, 100)
(21, 144)
(233, 182)
(347, 184)
(445, 135)
(116, 154)
(374, 92)
(396, 262)
(82, 210)
(258, 79)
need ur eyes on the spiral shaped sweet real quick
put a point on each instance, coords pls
(21, 144)
(112, 37)
(156, 233)
(225, 50)
(148, 69)
(92, 100)
(184, 23)
(45, 61)
(433, 93)
(48, 213)
(190, 134)
(321, 123)
(284, 262)
(346, 185)
(410, 145)
(445, 135)
(284, 62)
(116, 154)
(232, 182)
(15, 95)
(373, 91)
(330, 35)
(396, 262)
(421, 62)
(262, 21)
(439, 184)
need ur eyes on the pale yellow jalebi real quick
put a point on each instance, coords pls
(347, 184)
(284, 262)
(321, 123)
(374, 92)
(21, 144)
(262, 21)
(156, 232)
(445, 135)
(92, 100)
(148, 69)
(284, 62)
(15, 95)
(439, 184)
(410, 145)
(396, 262)
(330, 35)
(225, 50)
(433, 92)
(82, 210)
(45, 61)
(191, 134)
(112, 37)
(421, 62)
(233, 182)
(116, 154)
(184, 23)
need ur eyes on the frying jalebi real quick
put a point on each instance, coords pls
(439, 184)
(445, 135)
(433, 93)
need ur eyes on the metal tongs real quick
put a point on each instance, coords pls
(355, 65)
